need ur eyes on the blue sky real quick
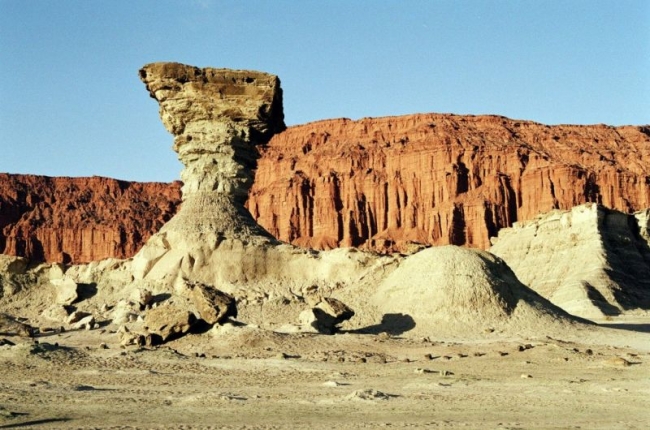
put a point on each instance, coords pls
(72, 103)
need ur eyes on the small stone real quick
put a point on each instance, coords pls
(87, 322)
(526, 376)
(103, 346)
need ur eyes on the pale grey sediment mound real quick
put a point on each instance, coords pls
(452, 290)
(591, 261)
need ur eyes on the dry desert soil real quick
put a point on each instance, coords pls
(246, 378)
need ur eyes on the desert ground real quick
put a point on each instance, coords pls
(240, 377)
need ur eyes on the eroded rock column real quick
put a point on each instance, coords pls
(217, 116)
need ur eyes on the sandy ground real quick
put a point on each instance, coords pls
(244, 378)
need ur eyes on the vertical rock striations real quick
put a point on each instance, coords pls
(80, 219)
(383, 183)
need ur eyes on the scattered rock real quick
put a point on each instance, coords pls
(213, 306)
(56, 312)
(617, 362)
(368, 394)
(10, 326)
(124, 312)
(526, 376)
(141, 297)
(333, 384)
(326, 316)
(4, 342)
(87, 322)
(76, 316)
(66, 291)
(169, 322)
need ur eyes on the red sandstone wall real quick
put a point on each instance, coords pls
(438, 179)
(80, 219)
(379, 183)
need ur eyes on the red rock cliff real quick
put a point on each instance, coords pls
(383, 183)
(80, 219)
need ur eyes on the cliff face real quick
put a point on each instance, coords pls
(381, 183)
(80, 219)
(385, 183)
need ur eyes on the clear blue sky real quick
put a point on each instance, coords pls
(71, 103)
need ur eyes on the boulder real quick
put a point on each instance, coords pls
(141, 297)
(325, 316)
(212, 305)
(10, 326)
(56, 312)
(87, 323)
(66, 291)
(168, 321)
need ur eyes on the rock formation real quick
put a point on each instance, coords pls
(590, 261)
(471, 291)
(217, 117)
(80, 219)
(385, 183)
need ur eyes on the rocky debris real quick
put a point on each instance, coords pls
(77, 220)
(76, 316)
(336, 308)
(168, 321)
(85, 323)
(6, 342)
(212, 305)
(617, 362)
(326, 316)
(124, 312)
(139, 339)
(590, 261)
(56, 312)
(10, 326)
(142, 297)
(13, 270)
(66, 291)
(368, 394)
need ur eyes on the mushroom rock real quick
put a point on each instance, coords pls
(217, 116)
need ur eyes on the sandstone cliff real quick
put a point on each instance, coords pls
(80, 219)
(590, 261)
(384, 183)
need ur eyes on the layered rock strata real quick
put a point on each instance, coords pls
(591, 261)
(80, 219)
(386, 183)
